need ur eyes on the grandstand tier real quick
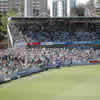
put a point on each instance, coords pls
(54, 31)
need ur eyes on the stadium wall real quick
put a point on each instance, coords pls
(30, 71)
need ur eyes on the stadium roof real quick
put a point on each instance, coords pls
(75, 17)
(69, 19)
(59, 17)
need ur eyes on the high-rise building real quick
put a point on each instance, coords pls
(61, 8)
(65, 7)
(43, 7)
(15, 4)
(97, 8)
(6, 5)
(73, 3)
(3, 6)
(54, 8)
(37, 7)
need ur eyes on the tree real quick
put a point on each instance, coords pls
(12, 12)
(3, 26)
(1, 36)
(4, 22)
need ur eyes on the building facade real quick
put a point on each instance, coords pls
(61, 8)
(97, 7)
(34, 7)
(72, 3)
(3, 6)
(6, 5)
(54, 8)
(43, 8)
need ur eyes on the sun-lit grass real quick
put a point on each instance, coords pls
(73, 83)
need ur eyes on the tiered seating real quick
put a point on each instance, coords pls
(28, 33)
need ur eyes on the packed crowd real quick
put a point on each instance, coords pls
(16, 33)
(17, 60)
(29, 33)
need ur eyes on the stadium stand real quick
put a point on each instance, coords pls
(78, 46)
(19, 60)
(21, 32)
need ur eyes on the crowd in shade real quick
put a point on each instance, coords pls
(19, 59)
(29, 33)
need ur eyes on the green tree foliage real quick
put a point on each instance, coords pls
(4, 22)
(3, 27)
(11, 12)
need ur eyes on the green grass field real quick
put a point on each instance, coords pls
(74, 83)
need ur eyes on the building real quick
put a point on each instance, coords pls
(6, 5)
(3, 6)
(90, 10)
(38, 7)
(34, 7)
(43, 8)
(61, 8)
(54, 8)
(97, 9)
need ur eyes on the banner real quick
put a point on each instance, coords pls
(70, 43)
(62, 43)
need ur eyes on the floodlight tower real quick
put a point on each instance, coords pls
(28, 8)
